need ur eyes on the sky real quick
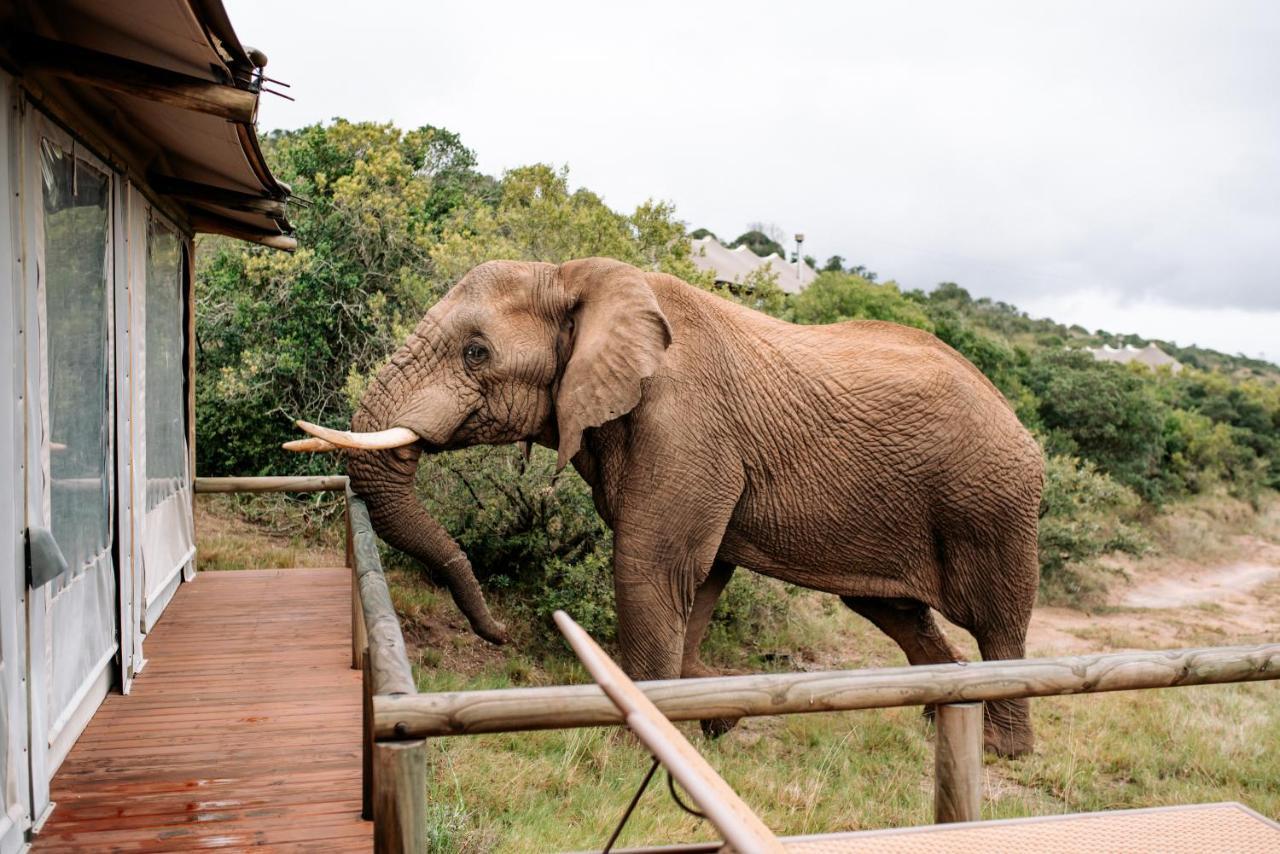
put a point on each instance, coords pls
(1115, 165)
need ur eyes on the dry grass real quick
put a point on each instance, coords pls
(234, 532)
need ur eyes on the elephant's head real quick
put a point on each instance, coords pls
(515, 352)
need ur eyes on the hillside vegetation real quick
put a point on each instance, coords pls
(390, 219)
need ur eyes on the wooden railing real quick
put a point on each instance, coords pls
(398, 720)
(956, 689)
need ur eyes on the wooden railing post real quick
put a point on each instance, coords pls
(957, 785)
(366, 739)
(399, 797)
(359, 642)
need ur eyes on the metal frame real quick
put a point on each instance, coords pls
(15, 793)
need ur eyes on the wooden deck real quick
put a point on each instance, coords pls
(208, 751)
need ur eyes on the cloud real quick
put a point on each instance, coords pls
(1027, 151)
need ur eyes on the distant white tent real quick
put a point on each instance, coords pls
(732, 266)
(1150, 355)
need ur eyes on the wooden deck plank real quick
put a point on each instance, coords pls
(209, 751)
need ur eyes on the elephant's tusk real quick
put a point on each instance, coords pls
(313, 444)
(396, 437)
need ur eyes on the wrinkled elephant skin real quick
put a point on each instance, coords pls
(864, 459)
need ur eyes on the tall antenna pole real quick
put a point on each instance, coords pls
(799, 257)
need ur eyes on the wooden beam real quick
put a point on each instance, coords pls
(400, 798)
(129, 77)
(390, 671)
(564, 707)
(210, 224)
(325, 483)
(742, 829)
(957, 763)
(366, 741)
(193, 191)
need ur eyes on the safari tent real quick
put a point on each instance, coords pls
(126, 128)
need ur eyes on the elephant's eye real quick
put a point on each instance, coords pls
(475, 354)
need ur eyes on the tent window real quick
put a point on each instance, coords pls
(76, 252)
(166, 436)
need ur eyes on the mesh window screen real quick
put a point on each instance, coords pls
(166, 437)
(76, 234)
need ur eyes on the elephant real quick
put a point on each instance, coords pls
(865, 459)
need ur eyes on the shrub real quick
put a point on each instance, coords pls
(1084, 514)
(1103, 412)
(537, 543)
(833, 297)
(1203, 453)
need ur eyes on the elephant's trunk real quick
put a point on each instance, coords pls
(384, 479)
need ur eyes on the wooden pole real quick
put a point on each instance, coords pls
(400, 797)
(957, 763)
(359, 639)
(210, 224)
(366, 729)
(562, 707)
(326, 483)
(149, 82)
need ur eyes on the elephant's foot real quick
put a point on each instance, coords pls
(693, 668)
(716, 727)
(1006, 728)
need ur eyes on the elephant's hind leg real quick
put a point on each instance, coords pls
(994, 587)
(704, 605)
(911, 625)
(1007, 724)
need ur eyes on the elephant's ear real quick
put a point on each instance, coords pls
(619, 337)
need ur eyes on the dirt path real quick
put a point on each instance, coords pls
(1212, 586)
(1171, 604)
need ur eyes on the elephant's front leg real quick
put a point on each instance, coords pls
(662, 564)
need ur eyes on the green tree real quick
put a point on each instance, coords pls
(833, 297)
(759, 243)
(1103, 412)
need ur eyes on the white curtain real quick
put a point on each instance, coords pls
(167, 530)
(74, 279)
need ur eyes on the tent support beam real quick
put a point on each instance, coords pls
(210, 224)
(193, 191)
(117, 74)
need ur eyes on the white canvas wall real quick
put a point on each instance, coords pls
(167, 530)
(93, 447)
(70, 376)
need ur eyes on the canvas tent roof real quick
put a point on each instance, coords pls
(732, 266)
(1150, 355)
(166, 86)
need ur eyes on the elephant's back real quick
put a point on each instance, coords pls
(918, 421)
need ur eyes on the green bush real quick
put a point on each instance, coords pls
(1103, 412)
(1084, 514)
(834, 297)
(1203, 453)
